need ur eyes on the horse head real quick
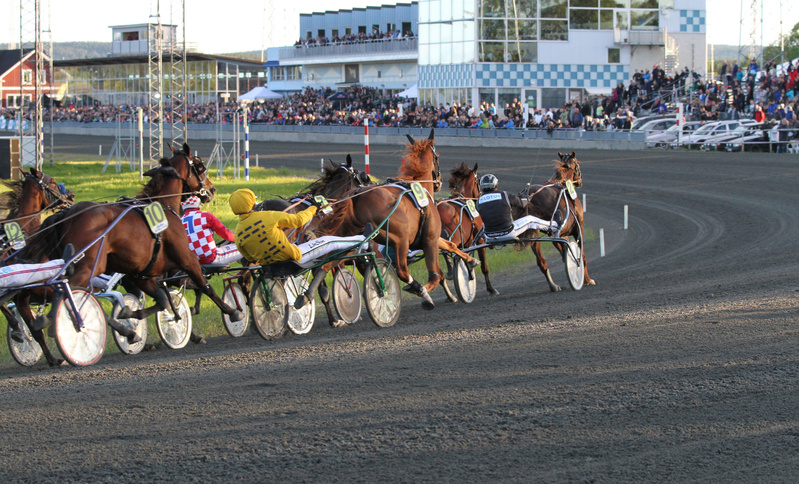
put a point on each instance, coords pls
(421, 161)
(569, 169)
(53, 195)
(464, 182)
(336, 180)
(193, 172)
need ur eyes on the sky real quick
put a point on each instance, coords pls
(250, 25)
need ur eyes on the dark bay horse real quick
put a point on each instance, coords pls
(129, 247)
(457, 225)
(407, 227)
(25, 201)
(544, 202)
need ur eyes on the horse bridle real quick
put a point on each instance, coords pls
(578, 175)
(51, 196)
(436, 170)
(201, 173)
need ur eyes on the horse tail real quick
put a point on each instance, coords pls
(341, 221)
(43, 244)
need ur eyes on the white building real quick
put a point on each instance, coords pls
(544, 52)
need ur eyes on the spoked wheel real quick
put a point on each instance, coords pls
(80, 346)
(234, 297)
(347, 296)
(28, 352)
(173, 332)
(383, 306)
(573, 257)
(465, 281)
(269, 308)
(300, 320)
(134, 304)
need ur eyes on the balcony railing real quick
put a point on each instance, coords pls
(381, 47)
(639, 37)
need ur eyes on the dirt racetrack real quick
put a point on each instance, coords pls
(681, 365)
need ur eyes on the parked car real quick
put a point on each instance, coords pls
(694, 140)
(639, 122)
(756, 139)
(712, 143)
(661, 139)
(657, 125)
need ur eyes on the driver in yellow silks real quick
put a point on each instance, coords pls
(259, 237)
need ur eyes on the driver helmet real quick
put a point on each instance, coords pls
(489, 182)
(191, 202)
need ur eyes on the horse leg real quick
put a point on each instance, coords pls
(542, 264)
(23, 306)
(197, 298)
(444, 244)
(13, 323)
(578, 210)
(448, 260)
(481, 253)
(324, 295)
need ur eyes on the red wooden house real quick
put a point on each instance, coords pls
(16, 77)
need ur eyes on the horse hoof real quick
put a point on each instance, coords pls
(493, 292)
(17, 336)
(449, 275)
(301, 301)
(237, 315)
(592, 282)
(194, 311)
(473, 263)
(134, 338)
(197, 339)
(340, 323)
(40, 322)
(150, 347)
(56, 363)
(428, 305)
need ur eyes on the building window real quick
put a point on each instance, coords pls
(27, 76)
(554, 30)
(492, 52)
(584, 19)
(614, 56)
(644, 19)
(554, 9)
(130, 36)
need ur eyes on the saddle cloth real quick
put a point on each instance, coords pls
(521, 225)
(16, 275)
(317, 248)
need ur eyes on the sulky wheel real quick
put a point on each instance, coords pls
(27, 352)
(465, 282)
(573, 257)
(300, 320)
(234, 297)
(174, 332)
(383, 306)
(269, 308)
(85, 345)
(347, 296)
(134, 304)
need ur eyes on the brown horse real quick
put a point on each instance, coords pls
(544, 202)
(26, 200)
(402, 225)
(145, 260)
(457, 224)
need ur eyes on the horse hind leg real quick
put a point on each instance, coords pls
(23, 306)
(324, 295)
(481, 253)
(542, 264)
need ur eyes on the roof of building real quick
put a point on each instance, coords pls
(10, 58)
(142, 59)
(358, 9)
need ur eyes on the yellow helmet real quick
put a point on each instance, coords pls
(242, 201)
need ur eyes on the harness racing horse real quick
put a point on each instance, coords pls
(26, 200)
(402, 225)
(457, 223)
(544, 202)
(83, 224)
(336, 180)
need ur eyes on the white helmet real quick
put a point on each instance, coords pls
(489, 182)
(191, 202)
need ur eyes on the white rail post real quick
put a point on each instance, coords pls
(322, 165)
(626, 213)
(584, 209)
(366, 143)
(601, 242)
(141, 144)
(246, 145)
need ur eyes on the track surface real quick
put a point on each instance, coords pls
(680, 365)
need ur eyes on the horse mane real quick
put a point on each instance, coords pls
(10, 200)
(458, 175)
(317, 187)
(342, 220)
(562, 169)
(413, 167)
(42, 243)
(158, 177)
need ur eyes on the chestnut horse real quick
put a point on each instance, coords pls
(457, 225)
(544, 202)
(402, 225)
(146, 259)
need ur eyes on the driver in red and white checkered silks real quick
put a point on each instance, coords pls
(200, 227)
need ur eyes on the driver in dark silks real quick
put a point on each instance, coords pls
(496, 207)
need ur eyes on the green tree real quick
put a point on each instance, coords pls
(791, 45)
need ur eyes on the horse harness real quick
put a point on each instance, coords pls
(138, 207)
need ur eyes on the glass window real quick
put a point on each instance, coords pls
(522, 29)
(492, 29)
(583, 19)
(522, 51)
(553, 8)
(615, 3)
(492, 52)
(644, 4)
(27, 76)
(666, 4)
(523, 8)
(553, 97)
(622, 20)
(606, 19)
(644, 19)
(492, 8)
(554, 30)
(584, 3)
(614, 56)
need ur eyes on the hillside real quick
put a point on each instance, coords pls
(91, 50)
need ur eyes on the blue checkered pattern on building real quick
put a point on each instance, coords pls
(551, 75)
(445, 76)
(692, 21)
